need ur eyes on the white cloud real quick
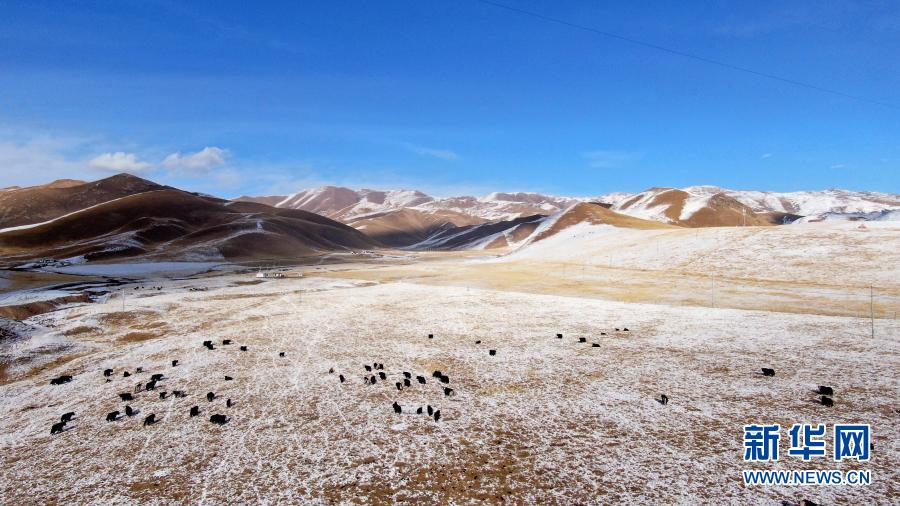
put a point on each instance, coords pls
(606, 159)
(120, 162)
(200, 162)
(766, 156)
(443, 154)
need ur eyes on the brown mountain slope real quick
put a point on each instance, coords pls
(36, 204)
(596, 213)
(679, 207)
(171, 223)
(405, 227)
(269, 201)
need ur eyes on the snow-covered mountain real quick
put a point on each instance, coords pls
(672, 205)
(345, 204)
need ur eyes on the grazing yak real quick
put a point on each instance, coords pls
(108, 372)
(406, 382)
(174, 363)
(112, 416)
(397, 408)
(218, 419)
(228, 403)
(430, 410)
(582, 339)
(61, 379)
(126, 396)
(281, 354)
(559, 336)
(663, 399)
(195, 410)
(437, 415)
(825, 390)
(243, 348)
(129, 411)
(67, 417)
(430, 336)
(226, 341)
(827, 401)
(210, 396)
(407, 374)
(421, 379)
(150, 420)
(448, 391)
(57, 427)
(492, 352)
(126, 374)
(156, 377)
(228, 378)
(595, 345)
(768, 372)
(151, 385)
(399, 386)
(341, 377)
(419, 411)
(368, 368)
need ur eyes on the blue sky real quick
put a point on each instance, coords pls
(450, 96)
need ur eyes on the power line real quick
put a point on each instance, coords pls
(684, 54)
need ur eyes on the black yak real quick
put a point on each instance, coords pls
(448, 391)
(67, 417)
(419, 411)
(150, 420)
(126, 396)
(57, 427)
(397, 408)
(382, 375)
(406, 382)
(437, 415)
(582, 339)
(112, 416)
(492, 352)
(407, 374)
(281, 354)
(156, 377)
(341, 377)
(768, 372)
(126, 374)
(108, 372)
(162, 395)
(226, 341)
(368, 368)
(663, 399)
(151, 385)
(243, 348)
(210, 396)
(421, 379)
(825, 390)
(399, 386)
(444, 378)
(218, 419)
(827, 401)
(228, 403)
(174, 363)
(228, 378)
(430, 336)
(559, 336)
(478, 341)
(331, 370)
(595, 345)
(195, 410)
(129, 411)
(437, 374)
(60, 380)
(430, 410)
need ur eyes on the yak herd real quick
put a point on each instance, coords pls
(142, 388)
(372, 375)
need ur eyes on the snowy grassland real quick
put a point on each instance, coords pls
(546, 421)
